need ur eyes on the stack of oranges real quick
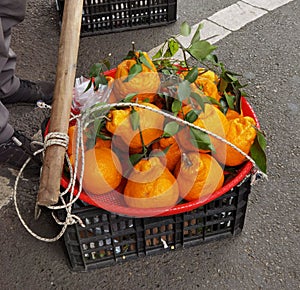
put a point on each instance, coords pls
(155, 161)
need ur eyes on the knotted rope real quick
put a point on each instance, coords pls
(61, 139)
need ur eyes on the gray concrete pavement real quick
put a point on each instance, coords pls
(266, 255)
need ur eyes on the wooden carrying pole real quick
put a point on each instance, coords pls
(49, 188)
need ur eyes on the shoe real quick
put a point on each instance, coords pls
(16, 151)
(30, 92)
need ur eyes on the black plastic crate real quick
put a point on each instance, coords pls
(108, 238)
(106, 16)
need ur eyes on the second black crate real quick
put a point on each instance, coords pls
(109, 238)
(107, 16)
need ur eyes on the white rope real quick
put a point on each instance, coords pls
(43, 105)
(174, 118)
(61, 139)
(59, 235)
(56, 138)
(70, 218)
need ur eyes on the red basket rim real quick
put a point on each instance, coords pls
(179, 208)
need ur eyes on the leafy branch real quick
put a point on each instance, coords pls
(97, 74)
(201, 51)
(140, 60)
(229, 85)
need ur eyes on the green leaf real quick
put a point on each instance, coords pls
(90, 143)
(88, 86)
(199, 100)
(96, 69)
(257, 152)
(196, 36)
(184, 90)
(97, 124)
(146, 100)
(144, 61)
(100, 80)
(135, 158)
(230, 99)
(130, 55)
(134, 70)
(213, 59)
(185, 29)
(166, 72)
(261, 140)
(158, 54)
(231, 73)
(191, 116)
(134, 119)
(223, 85)
(159, 153)
(201, 49)
(170, 129)
(211, 100)
(173, 47)
(237, 100)
(223, 105)
(201, 140)
(129, 98)
(229, 76)
(192, 75)
(165, 151)
(176, 106)
(232, 78)
(103, 136)
(106, 63)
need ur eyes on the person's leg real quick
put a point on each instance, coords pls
(15, 148)
(12, 12)
(10, 15)
(12, 89)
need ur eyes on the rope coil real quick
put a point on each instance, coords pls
(56, 138)
(60, 139)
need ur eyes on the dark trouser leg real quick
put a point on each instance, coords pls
(11, 13)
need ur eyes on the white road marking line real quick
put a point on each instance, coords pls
(267, 4)
(236, 16)
(229, 19)
(213, 31)
(6, 189)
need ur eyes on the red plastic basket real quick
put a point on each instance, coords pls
(113, 203)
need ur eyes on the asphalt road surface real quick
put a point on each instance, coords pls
(266, 52)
